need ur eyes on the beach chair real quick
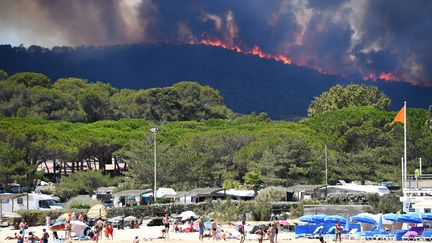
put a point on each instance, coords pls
(425, 236)
(413, 234)
(352, 234)
(316, 233)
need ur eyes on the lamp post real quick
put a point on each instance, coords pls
(154, 132)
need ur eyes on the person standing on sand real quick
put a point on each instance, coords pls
(68, 230)
(165, 222)
(99, 227)
(276, 230)
(271, 233)
(338, 231)
(22, 225)
(260, 233)
(214, 228)
(242, 232)
(45, 236)
(201, 228)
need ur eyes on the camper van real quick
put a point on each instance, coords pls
(31, 201)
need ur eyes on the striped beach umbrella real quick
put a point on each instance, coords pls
(11, 216)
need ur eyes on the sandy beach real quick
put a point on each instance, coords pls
(146, 233)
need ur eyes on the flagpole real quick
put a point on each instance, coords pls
(405, 140)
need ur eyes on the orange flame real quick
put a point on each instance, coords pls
(256, 51)
(383, 76)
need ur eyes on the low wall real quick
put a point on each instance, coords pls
(343, 210)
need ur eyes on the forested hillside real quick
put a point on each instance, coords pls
(201, 142)
(362, 145)
(77, 100)
(248, 83)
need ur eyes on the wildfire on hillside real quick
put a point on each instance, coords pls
(383, 76)
(256, 51)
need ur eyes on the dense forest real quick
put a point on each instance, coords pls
(77, 100)
(247, 83)
(200, 141)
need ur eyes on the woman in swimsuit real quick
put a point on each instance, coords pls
(260, 233)
(214, 228)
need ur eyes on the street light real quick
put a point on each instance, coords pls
(154, 132)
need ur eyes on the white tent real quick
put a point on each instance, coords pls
(163, 192)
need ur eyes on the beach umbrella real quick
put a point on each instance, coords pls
(319, 218)
(380, 223)
(316, 218)
(364, 218)
(62, 217)
(97, 211)
(130, 218)
(115, 219)
(11, 216)
(391, 217)
(414, 218)
(347, 224)
(57, 226)
(207, 224)
(285, 222)
(332, 219)
(307, 219)
(186, 215)
(78, 227)
(426, 216)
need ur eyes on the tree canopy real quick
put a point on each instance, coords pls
(196, 145)
(71, 99)
(352, 95)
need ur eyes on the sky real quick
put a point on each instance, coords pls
(387, 39)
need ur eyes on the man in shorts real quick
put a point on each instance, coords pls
(201, 228)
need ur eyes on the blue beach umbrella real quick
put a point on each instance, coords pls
(347, 224)
(413, 218)
(426, 216)
(362, 218)
(307, 219)
(380, 223)
(319, 218)
(391, 217)
(314, 219)
(332, 219)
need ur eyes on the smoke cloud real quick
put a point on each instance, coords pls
(353, 38)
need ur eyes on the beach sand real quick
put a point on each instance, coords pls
(146, 233)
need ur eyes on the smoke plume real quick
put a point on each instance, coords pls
(369, 39)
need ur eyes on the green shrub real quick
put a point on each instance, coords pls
(228, 210)
(263, 202)
(84, 183)
(81, 202)
(386, 204)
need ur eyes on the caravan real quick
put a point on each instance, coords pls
(27, 201)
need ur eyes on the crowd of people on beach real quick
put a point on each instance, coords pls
(101, 227)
